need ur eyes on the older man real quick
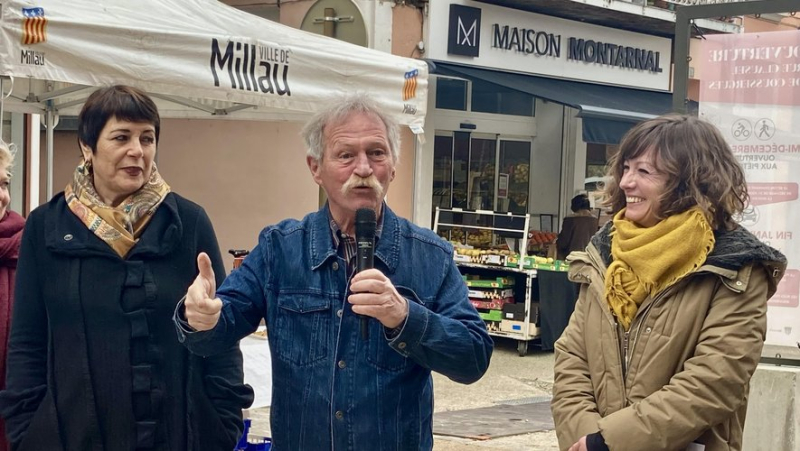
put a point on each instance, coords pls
(334, 387)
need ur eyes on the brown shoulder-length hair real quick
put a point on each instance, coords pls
(700, 167)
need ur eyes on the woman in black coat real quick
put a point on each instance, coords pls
(94, 362)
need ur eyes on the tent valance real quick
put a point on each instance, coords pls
(202, 57)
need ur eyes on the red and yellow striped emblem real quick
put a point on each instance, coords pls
(34, 26)
(410, 84)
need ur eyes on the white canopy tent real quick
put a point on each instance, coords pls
(198, 58)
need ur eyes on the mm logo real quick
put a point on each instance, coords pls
(34, 26)
(410, 84)
(464, 31)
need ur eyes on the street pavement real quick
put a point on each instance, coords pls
(510, 379)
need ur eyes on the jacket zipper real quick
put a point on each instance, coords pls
(622, 353)
(641, 319)
(625, 340)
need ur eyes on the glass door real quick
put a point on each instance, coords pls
(513, 178)
(482, 177)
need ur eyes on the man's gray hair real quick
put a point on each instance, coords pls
(313, 132)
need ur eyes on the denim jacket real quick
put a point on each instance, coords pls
(334, 390)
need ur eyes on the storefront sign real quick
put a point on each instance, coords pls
(464, 36)
(509, 39)
(750, 89)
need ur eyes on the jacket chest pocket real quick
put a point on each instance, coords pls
(303, 328)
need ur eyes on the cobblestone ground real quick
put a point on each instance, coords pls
(509, 378)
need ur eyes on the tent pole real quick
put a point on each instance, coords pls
(50, 126)
(33, 163)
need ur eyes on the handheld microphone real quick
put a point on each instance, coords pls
(365, 245)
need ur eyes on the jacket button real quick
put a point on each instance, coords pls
(339, 313)
(401, 345)
(335, 266)
(339, 414)
(341, 364)
(648, 329)
(68, 237)
(738, 283)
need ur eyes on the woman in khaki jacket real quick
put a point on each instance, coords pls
(671, 317)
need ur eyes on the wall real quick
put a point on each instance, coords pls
(66, 156)
(753, 25)
(401, 193)
(407, 31)
(773, 410)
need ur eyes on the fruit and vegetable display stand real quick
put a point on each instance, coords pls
(503, 284)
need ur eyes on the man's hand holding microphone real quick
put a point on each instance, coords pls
(202, 309)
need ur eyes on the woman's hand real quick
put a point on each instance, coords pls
(580, 445)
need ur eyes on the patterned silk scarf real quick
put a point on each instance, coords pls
(647, 260)
(119, 226)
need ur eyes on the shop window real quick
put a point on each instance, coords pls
(451, 155)
(492, 98)
(451, 94)
(597, 156)
(482, 174)
(514, 176)
(443, 172)
(460, 165)
(465, 174)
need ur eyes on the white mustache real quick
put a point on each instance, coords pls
(356, 182)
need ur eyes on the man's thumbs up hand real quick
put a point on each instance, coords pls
(202, 309)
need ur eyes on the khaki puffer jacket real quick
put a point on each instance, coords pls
(681, 374)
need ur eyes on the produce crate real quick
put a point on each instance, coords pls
(492, 315)
(529, 263)
(496, 304)
(512, 326)
(500, 282)
(491, 294)
(491, 259)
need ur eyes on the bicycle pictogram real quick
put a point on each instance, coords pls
(741, 129)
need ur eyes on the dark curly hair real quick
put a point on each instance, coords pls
(700, 167)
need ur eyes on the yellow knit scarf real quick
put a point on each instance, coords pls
(647, 260)
(119, 227)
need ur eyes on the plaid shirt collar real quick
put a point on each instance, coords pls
(345, 244)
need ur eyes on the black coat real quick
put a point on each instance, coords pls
(94, 362)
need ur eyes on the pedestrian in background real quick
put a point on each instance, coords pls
(576, 229)
(671, 318)
(11, 225)
(93, 362)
